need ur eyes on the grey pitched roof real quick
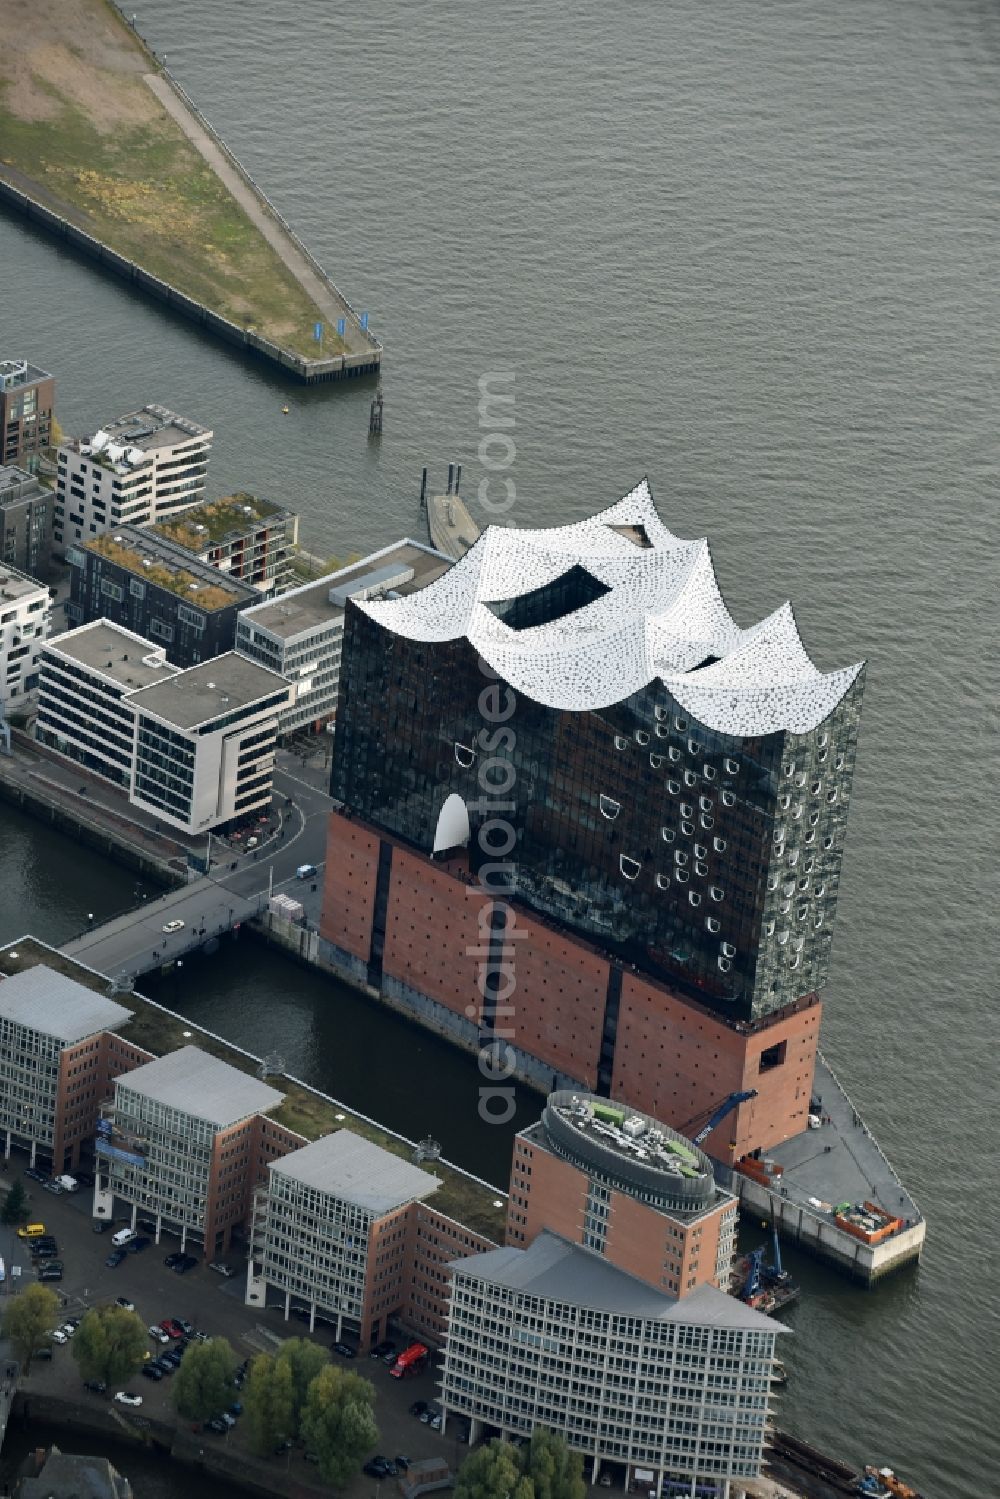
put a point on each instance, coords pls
(54, 1005)
(353, 1168)
(196, 1083)
(553, 1268)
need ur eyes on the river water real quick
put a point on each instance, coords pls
(750, 251)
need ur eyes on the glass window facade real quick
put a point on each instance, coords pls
(668, 843)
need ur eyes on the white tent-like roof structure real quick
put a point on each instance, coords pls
(662, 616)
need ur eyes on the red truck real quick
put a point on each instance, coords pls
(410, 1361)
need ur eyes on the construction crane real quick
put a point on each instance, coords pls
(732, 1102)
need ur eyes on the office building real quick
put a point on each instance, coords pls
(142, 468)
(241, 535)
(300, 634)
(86, 678)
(605, 1176)
(155, 588)
(205, 743)
(180, 1145)
(25, 622)
(25, 522)
(195, 747)
(59, 1052)
(27, 402)
(671, 1393)
(343, 1230)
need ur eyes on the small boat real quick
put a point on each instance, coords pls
(284, 410)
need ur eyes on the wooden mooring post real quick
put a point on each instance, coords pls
(375, 416)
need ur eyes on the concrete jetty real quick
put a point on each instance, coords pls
(450, 526)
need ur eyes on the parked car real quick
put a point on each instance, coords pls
(125, 1304)
(51, 1272)
(306, 872)
(125, 1397)
(228, 1418)
(147, 1225)
(99, 1227)
(115, 1258)
(44, 1353)
(183, 1264)
(221, 1269)
(186, 1327)
(96, 1386)
(162, 1365)
(45, 1252)
(69, 1328)
(151, 1371)
(344, 1349)
(170, 1260)
(53, 1187)
(159, 1334)
(171, 1328)
(285, 1445)
(381, 1349)
(138, 1244)
(216, 1425)
(377, 1467)
(33, 1174)
(172, 926)
(58, 1336)
(418, 1407)
(402, 1464)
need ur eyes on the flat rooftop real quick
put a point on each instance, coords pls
(116, 654)
(17, 485)
(211, 690)
(166, 565)
(358, 1171)
(15, 374)
(196, 1083)
(16, 585)
(55, 1005)
(553, 1268)
(304, 608)
(150, 428)
(215, 522)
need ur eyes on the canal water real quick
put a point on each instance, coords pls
(750, 251)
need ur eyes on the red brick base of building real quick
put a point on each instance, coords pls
(423, 933)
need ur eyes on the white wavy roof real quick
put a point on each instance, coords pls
(662, 615)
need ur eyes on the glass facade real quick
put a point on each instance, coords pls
(708, 860)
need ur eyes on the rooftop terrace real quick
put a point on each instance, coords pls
(171, 567)
(303, 609)
(16, 374)
(217, 521)
(17, 485)
(460, 1196)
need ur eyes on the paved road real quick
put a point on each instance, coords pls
(134, 943)
(322, 293)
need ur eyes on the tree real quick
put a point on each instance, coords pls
(269, 1403)
(555, 1471)
(337, 1422)
(490, 1472)
(203, 1385)
(15, 1209)
(305, 1360)
(29, 1320)
(109, 1344)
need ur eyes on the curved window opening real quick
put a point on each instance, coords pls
(686, 809)
(465, 756)
(681, 876)
(700, 868)
(656, 761)
(728, 799)
(674, 752)
(694, 898)
(661, 714)
(668, 835)
(700, 851)
(663, 882)
(724, 965)
(732, 767)
(629, 867)
(621, 742)
(689, 778)
(715, 892)
(708, 823)
(662, 731)
(687, 828)
(673, 787)
(609, 808)
(680, 724)
(719, 844)
(831, 796)
(729, 950)
(680, 857)
(709, 772)
(713, 924)
(641, 737)
(705, 803)
(827, 842)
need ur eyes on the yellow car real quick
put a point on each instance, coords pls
(31, 1231)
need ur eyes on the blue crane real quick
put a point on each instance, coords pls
(732, 1102)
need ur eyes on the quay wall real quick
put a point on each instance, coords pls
(309, 371)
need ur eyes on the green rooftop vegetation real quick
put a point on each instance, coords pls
(176, 580)
(217, 519)
(306, 1113)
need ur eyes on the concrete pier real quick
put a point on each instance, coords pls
(450, 526)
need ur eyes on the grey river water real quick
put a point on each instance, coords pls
(750, 250)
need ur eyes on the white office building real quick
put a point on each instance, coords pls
(195, 747)
(205, 742)
(25, 624)
(673, 1393)
(300, 634)
(138, 470)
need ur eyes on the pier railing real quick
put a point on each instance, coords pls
(891, 1168)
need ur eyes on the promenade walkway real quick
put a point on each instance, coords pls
(325, 296)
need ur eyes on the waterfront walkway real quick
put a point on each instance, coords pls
(318, 288)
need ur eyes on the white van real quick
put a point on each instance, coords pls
(68, 1183)
(122, 1237)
